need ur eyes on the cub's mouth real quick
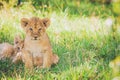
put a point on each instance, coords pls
(35, 38)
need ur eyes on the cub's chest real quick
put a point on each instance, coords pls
(36, 50)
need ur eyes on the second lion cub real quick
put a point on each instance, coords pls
(9, 51)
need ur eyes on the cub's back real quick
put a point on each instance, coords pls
(6, 48)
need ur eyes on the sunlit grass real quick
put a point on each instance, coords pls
(85, 46)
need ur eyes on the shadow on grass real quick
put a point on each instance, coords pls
(7, 68)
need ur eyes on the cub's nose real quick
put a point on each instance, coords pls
(35, 38)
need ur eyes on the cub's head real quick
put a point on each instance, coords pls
(35, 27)
(18, 44)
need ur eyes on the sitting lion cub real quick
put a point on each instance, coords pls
(37, 48)
(9, 51)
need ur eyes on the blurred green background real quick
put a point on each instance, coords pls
(74, 7)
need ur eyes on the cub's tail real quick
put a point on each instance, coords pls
(55, 59)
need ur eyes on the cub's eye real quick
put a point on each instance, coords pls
(16, 42)
(40, 29)
(18, 48)
(30, 29)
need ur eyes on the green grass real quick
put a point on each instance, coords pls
(85, 45)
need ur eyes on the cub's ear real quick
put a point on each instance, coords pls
(24, 22)
(46, 22)
(17, 39)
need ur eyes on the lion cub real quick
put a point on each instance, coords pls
(37, 46)
(18, 47)
(8, 50)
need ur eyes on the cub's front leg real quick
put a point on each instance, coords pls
(47, 59)
(27, 59)
(18, 57)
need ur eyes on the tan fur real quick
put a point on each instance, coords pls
(37, 48)
(8, 50)
(55, 59)
(18, 43)
(18, 46)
